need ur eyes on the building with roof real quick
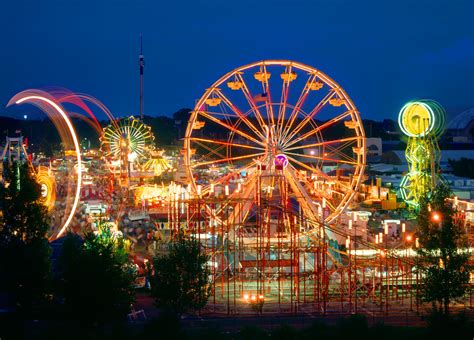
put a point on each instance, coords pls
(461, 127)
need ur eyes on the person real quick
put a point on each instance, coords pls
(148, 273)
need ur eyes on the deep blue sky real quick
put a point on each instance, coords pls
(383, 53)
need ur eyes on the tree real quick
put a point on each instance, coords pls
(180, 281)
(96, 277)
(25, 264)
(443, 254)
(463, 167)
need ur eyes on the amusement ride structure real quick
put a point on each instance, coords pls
(274, 156)
(422, 121)
(275, 152)
(126, 143)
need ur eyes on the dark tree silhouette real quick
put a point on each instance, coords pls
(180, 281)
(25, 264)
(443, 253)
(96, 277)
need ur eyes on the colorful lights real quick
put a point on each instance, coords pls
(127, 139)
(281, 161)
(253, 298)
(47, 183)
(266, 135)
(24, 97)
(422, 121)
(416, 119)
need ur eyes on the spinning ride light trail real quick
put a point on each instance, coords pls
(47, 183)
(59, 117)
(422, 121)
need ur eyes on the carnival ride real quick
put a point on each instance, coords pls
(267, 182)
(260, 144)
(157, 164)
(422, 121)
(269, 188)
(72, 177)
(126, 143)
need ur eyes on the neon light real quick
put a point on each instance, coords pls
(412, 117)
(78, 154)
(281, 160)
(422, 121)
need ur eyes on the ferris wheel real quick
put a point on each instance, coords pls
(127, 139)
(272, 121)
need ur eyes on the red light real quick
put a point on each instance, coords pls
(436, 217)
(409, 238)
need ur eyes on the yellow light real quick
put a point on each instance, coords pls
(246, 296)
(409, 238)
(416, 119)
(78, 153)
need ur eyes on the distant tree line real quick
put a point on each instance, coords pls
(463, 167)
(42, 135)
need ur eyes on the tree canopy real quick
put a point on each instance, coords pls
(443, 252)
(96, 277)
(25, 264)
(180, 281)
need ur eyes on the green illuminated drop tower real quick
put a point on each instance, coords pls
(422, 121)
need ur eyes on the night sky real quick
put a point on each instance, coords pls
(383, 53)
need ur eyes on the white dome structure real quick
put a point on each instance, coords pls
(462, 120)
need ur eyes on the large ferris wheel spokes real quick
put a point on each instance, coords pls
(222, 133)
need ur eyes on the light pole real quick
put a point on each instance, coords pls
(408, 240)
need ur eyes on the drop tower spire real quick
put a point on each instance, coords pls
(142, 67)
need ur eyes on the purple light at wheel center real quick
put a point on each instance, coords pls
(281, 160)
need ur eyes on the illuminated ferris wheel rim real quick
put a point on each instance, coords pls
(138, 137)
(334, 90)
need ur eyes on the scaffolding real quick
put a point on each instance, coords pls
(280, 261)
